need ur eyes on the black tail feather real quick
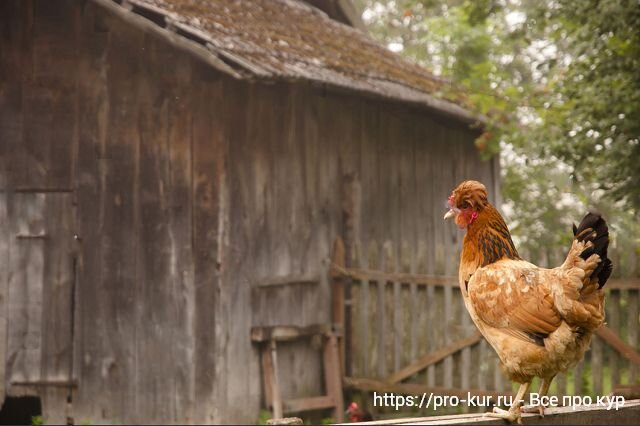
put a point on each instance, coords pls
(594, 228)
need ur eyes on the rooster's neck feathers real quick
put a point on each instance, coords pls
(488, 240)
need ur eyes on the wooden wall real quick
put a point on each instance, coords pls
(302, 159)
(171, 198)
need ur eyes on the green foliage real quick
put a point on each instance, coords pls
(37, 421)
(263, 416)
(560, 83)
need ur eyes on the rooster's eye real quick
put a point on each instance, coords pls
(465, 205)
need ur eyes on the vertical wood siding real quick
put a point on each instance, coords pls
(188, 192)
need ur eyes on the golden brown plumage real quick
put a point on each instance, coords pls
(539, 321)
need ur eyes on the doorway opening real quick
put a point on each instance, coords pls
(20, 410)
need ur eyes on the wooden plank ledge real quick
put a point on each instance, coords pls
(592, 415)
(391, 277)
(284, 333)
(414, 388)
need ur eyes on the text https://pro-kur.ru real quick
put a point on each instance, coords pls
(430, 400)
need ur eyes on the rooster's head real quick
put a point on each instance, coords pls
(466, 201)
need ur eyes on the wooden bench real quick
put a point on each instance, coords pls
(268, 338)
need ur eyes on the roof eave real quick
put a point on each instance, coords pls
(198, 45)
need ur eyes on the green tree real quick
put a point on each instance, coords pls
(560, 82)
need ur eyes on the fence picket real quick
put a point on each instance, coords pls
(399, 315)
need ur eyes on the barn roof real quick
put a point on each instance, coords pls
(291, 40)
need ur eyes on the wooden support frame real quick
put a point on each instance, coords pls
(433, 357)
(268, 338)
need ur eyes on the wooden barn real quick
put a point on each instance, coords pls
(175, 172)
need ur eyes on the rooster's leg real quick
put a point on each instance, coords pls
(544, 389)
(513, 414)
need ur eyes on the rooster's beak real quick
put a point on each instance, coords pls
(449, 214)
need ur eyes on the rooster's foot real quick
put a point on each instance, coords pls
(539, 409)
(512, 415)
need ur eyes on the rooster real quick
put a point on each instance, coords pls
(357, 414)
(539, 321)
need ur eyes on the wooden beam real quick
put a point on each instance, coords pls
(47, 383)
(622, 284)
(627, 391)
(282, 333)
(443, 280)
(403, 278)
(307, 404)
(288, 280)
(433, 357)
(609, 336)
(414, 388)
(580, 415)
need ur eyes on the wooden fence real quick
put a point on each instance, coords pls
(406, 330)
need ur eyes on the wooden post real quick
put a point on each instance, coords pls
(332, 376)
(337, 300)
(272, 396)
(277, 399)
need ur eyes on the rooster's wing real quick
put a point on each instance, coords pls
(513, 296)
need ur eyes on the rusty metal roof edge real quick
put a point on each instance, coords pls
(242, 70)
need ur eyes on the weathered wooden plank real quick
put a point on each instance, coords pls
(413, 388)
(633, 318)
(180, 217)
(93, 125)
(623, 284)
(578, 372)
(332, 376)
(117, 222)
(276, 394)
(307, 404)
(288, 280)
(398, 325)
(337, 297)
(4, 288)
(452, 175)
(284, 333)
(403, 278)
(58, 326)
(48, 97)
(561, 384)
(155, 250)
(433, 358)
(596, 366)
(16, 46)
(363, 324)
(610, 337)
(267, 375)
(25, 295)
(208, 156)
(587, 415)
(388, 343)
(613, 322)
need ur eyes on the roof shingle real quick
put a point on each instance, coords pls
(290, 40)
